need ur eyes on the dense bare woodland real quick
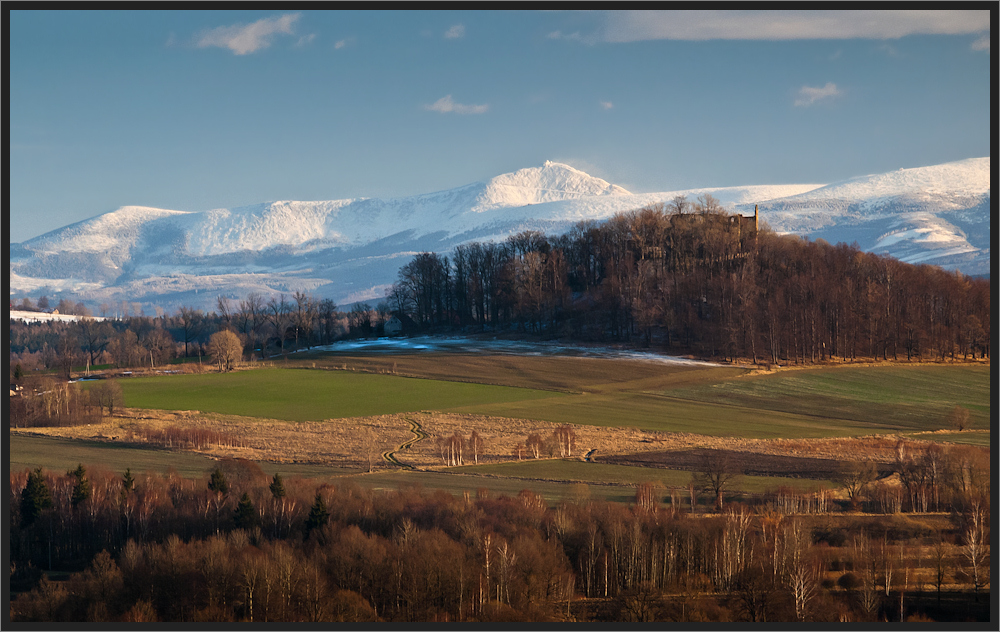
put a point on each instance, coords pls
(243, 546)
(691, 278)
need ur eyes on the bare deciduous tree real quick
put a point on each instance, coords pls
(958, 418)
(226, 348)
(107, 394)
(855, 476)
(716, 473)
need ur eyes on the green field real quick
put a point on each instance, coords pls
(580, 471)
(653, 412)
(57, 453)
(887, 397)
(808, 403)
(312, 395)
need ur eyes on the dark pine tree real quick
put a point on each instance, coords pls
(218, 482)
(277, 486)
(318, 515)
(128, 483)
(35, 498)
(81, 488)
(245, 516)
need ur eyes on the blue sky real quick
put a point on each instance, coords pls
(206, 109)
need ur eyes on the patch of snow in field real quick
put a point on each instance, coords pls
(39, 317)
(511, 347)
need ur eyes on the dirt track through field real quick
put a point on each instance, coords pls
(418, 434)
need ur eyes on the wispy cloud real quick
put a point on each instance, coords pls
(606, 105)
(808, 95)
(305, 40)
(983, 43)
(248, 38)
(575, 36)
(446, 104)
(347, 41)
(455, 32)
(632, 26)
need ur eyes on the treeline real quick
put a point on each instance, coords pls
(239, 545)
(266, 326)
(689, 277)
(64, 306)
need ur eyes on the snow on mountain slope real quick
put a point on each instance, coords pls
(111, 231)
(970, 177)
(938, 214)
(351, 249)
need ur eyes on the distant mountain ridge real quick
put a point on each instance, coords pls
(351, 249)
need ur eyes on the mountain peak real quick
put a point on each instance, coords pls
(551, 182)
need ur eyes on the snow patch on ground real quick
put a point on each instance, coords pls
(509, 347)
(44, 317)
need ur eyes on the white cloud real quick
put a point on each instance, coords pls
(606, 105)
(808, 95)
(983, 43)
(455, 32)
(633, 26)
(347, 41)
(306, 39)
(446, 104)
(248, 38)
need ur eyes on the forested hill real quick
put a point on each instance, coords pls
(694, 279)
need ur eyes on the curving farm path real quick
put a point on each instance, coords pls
(418, 435)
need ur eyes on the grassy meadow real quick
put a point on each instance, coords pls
(713, 401)
(312, 395)
(60, 455)
(716, 401)
(892, 397)
(607, 473)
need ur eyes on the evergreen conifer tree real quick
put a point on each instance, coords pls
(81, 489)
(128, 483)
(245, 516)
(218, 482)
(35, 498)
(318, 515)
(277, 486)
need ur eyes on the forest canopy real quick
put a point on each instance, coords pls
(694, 278)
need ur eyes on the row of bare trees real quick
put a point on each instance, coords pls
(562, 442)
(455, 449)
(688, 275)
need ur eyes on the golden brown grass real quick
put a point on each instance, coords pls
(341, 442)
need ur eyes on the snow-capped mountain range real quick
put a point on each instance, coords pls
(351, 250)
